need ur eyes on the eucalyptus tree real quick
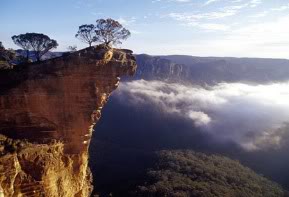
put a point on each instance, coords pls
(109, 31)
(86, 33)
(39, 43)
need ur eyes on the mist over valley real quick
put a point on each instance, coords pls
(146, 98)
(228, 106)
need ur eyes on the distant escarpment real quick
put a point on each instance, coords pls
(47, 114)
(211, 70)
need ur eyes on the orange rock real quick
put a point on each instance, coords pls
(54, 105)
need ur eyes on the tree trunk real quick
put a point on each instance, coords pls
(27, 55)
(38, 57)
(107, 43)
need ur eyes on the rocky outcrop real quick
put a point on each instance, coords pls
(47, 114)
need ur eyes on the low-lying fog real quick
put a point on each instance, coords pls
(253, 116)
(242, 121)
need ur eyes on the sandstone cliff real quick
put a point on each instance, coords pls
(47, 114)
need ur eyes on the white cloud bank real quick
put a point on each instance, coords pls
(250, 115)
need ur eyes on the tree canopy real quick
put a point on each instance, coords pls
(186, 173)
(39, 43)
(109, 31)
(106, 31)
(22, 41)
(86, 33)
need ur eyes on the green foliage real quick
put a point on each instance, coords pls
(8, 145)
(6, 55)
(37, 42)
(109, 31)
(186, 173)
(106, 31)
(72, 48)
(86, 33)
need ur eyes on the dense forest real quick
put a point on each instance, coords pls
(187, 173)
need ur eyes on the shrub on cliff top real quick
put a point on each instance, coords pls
(6, 56)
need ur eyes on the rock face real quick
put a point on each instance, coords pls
(47, 114)
(211, 70)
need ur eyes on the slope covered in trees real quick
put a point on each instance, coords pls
(186, 173)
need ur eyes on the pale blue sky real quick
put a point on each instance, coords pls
(241, 28)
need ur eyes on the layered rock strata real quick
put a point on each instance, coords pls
(47, 114)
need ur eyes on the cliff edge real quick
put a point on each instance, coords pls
(47, 114)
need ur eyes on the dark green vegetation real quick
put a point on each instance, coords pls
(72, 48)
(8, 145)
(109, 31)
(37, 42)
(85, 33)
(6, 55)
(36, 45)
(106, 31)
(186, 173)
(121, 153)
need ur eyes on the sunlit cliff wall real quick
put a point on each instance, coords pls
(47, 114)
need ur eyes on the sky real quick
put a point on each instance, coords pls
(235, 28)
